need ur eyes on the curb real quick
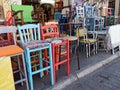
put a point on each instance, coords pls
(82, 73)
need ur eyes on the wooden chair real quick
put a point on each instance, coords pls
(22, 14)
(49, 32)
(14, 51)
(32, 43)
(58, 6)
(70, 38)
(87, 41)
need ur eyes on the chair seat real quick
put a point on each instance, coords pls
(55, 40)
(70, 38)
(36, 44)
(10, 50)
(88, 41)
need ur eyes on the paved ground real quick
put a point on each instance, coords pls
(105, 78)
(43, 83)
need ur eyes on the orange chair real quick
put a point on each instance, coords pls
(49, 32)
(14, 51)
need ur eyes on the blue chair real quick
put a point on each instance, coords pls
(33, 47)
(57, 16)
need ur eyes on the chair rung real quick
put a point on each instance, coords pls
(61, 62)
(35, 65)
(43, 69)
(35, 55)
(19, 81)
(46, 61)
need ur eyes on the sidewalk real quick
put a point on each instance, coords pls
(88, 65)
(105, 78)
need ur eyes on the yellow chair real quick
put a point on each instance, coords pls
(82, 34)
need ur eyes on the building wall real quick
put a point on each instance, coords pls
(117, 3)
(7, 8)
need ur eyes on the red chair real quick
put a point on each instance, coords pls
(49, 32)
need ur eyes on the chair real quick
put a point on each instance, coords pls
(33, 46)
(70, 38)
(49, 32)
(22, 14)
(14, 51)
(57, 16)
(58, 6)
(82, 33)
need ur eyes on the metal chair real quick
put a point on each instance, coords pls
(14, 51)
(33, 46)
(49, 32)
(87, 41)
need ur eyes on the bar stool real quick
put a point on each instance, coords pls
(32, 43)
(12, 51)
(49, 33)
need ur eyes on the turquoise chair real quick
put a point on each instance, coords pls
(33, 47)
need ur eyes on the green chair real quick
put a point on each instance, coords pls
(22, 14)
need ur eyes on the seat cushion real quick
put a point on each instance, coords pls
(55, 40)
(10, 50)
(36, 44)
(88, 41)
(70, 38)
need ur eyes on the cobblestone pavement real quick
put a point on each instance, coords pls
(105, 78)
(44, 83)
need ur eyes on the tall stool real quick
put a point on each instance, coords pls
(12, 51)
(49, 33)
(32, 43)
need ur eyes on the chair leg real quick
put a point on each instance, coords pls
(54, 66)
(41, 62)
(51, 66)
(96, 48)
(24, 66)
(87, 50)
(30, 81)
(20, 70)
(77, 55)
(68, 58)
(30, 71)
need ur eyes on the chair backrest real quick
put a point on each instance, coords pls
(27, 11)
(80, 11)
(48, 31)
(88, 11)
(57, 16)
(8, 29)
(29, 32)
(81, 32)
